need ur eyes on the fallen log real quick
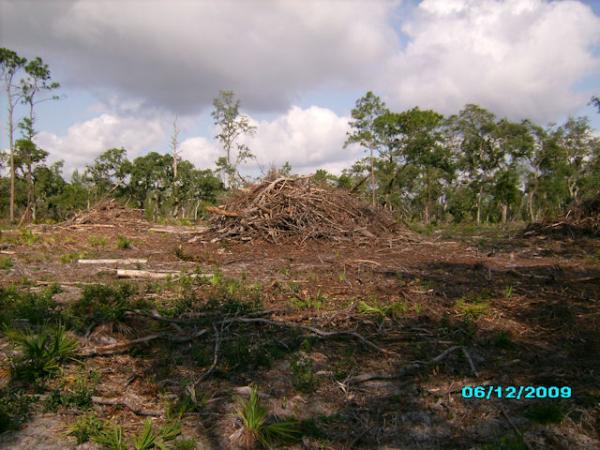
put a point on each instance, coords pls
(178, 230)
(133, 273)
(113, 261)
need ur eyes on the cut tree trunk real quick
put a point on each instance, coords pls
(113, 261)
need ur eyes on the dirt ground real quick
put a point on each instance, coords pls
(525, 311)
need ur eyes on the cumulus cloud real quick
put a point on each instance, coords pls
(520, 58)
(86, 140)
(308, 139)
(179, 54)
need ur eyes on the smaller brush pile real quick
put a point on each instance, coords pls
(297, 209)
(581, 219)
(108, 212)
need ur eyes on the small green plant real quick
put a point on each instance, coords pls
(472, 309)
(6, 262)
(257, 429)
(85, 428)
(69, 258)
(147, 437)
(41, 353)
(545, 412)
(28, 238)
(110, 437)
(304, 378)
(309, 302)
(123, 242)
(511, 442)
(508, 292)
(96, 241)
(395, 310)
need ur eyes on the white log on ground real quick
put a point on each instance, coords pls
(124, 261)
(130, 273)
(178, 230)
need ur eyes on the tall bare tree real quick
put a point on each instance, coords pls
(175, 147)
(10, 64)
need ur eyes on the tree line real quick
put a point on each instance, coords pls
(472, 165)
(421, 165)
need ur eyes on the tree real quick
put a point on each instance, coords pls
(10, 64)
(362, 132)
(232, 125)
(37, 81)
(108, 171)
(174, 147)
(595, 101)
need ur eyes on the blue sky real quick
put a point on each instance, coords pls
(298, 67)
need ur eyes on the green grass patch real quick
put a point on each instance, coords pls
(123, 242)
(27, 307)
(6, 263)
(97, 241)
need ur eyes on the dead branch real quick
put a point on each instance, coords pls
(316, 331)
(406, 369)
(113, 349)
(128, 403)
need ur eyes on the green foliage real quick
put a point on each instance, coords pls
(309, 302)
(395, 310)
(103, 303)
(41, 354)
(304, 378)
(259, 430)
(69, 258)
(545, 412)
(123, 242)
(110, 437)
(28, 238)
(6, 262)
(15, 407)
(184, 444)
(146, 439)
(472, 310)
(97, 241)
(33, 308)
(76, 392)
(510, 442)
(85, 428)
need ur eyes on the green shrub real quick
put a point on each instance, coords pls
(42, 353)
(86, 428)
(15, 407)
(73, 393)
(103, 303)
(35, 308)
(110, 437)
(123, 242)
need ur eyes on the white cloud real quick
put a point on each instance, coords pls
(520, 58)
(179, 54)
(308, 139)
(86, 140)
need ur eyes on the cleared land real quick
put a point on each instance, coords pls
(366, 342)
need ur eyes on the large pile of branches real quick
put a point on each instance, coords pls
(581, 219)
(108, 212)
(298, 209)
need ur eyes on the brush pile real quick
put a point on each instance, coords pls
(581, 219)
(108, 213)
(298, 209)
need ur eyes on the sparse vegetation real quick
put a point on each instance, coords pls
(6, 263)
(123, 242)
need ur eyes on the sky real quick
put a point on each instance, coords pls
(129, 67)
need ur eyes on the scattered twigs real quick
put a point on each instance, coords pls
(410, 368)
(121, 347)
(129, 403)
(212, 367)
(514, 427)
(316, 331)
